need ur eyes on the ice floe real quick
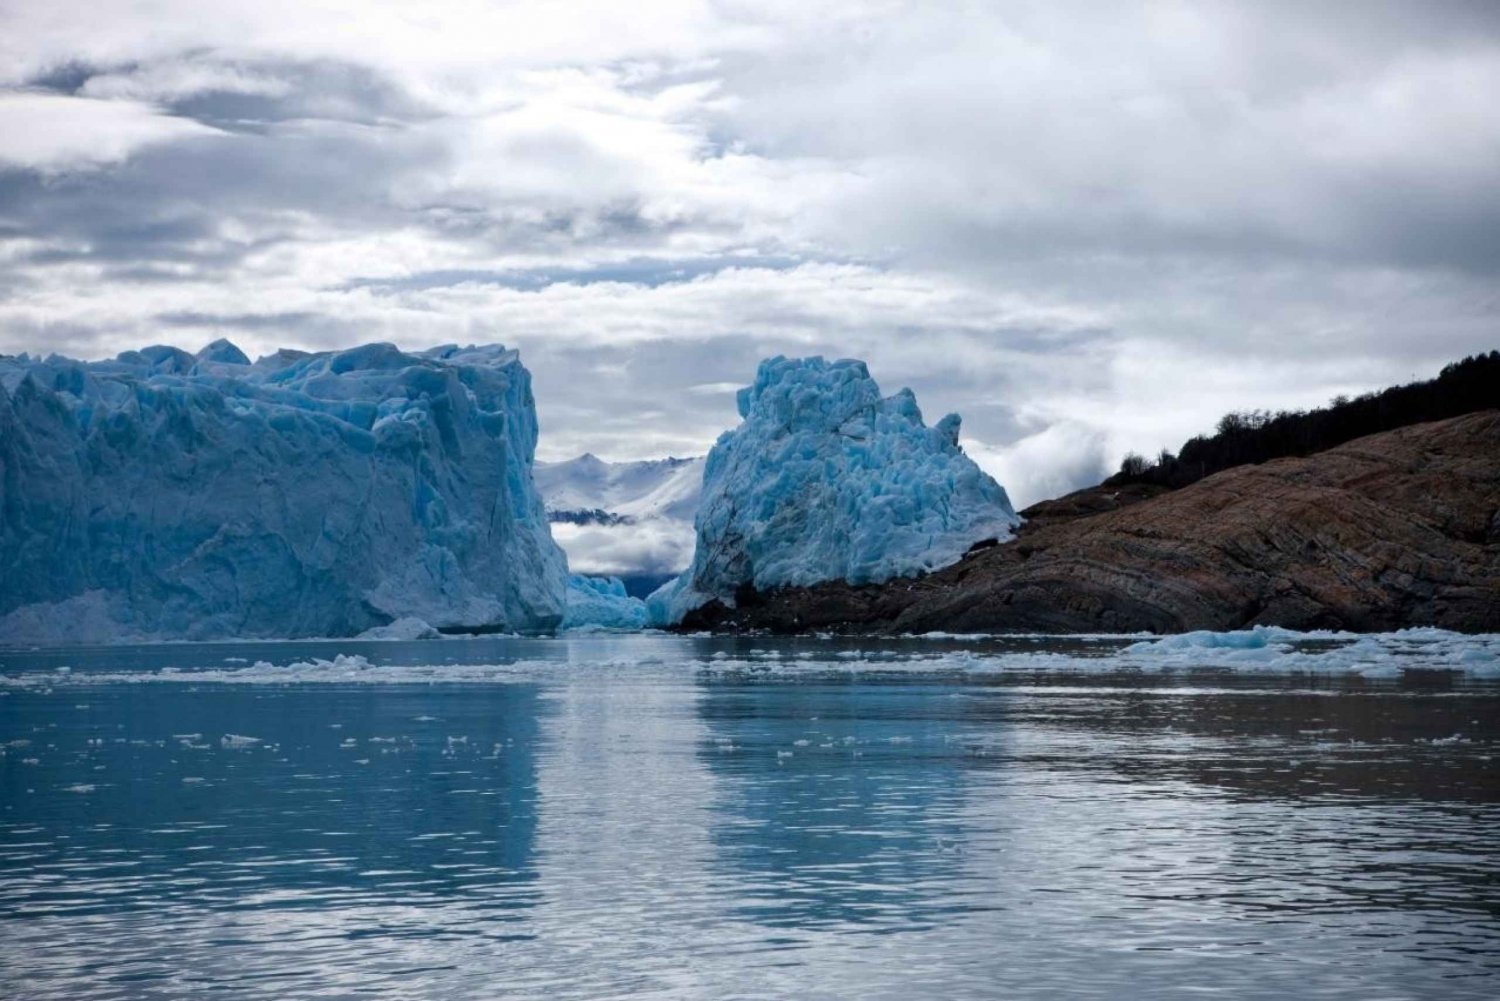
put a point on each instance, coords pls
(1262, 651)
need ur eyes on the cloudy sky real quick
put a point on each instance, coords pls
(1088, 228)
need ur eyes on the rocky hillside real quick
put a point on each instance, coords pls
(1391, 530)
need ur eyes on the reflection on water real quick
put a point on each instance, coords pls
(857, 824)
(660, 829)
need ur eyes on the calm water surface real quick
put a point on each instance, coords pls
(693, 818)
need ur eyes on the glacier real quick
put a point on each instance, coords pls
(165, 495)
(825, 479)
(601, 603)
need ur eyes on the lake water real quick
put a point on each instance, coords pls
(655, 816)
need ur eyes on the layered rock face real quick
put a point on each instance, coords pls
(1393, 530)
(167, 495)
(825, 479)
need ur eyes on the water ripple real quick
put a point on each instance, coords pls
(681, 832)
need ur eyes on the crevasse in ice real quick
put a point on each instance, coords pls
(169, 495)
(825, 479)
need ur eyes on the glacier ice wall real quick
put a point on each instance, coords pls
(169, 495)
(825, 479)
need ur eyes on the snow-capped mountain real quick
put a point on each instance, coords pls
(650, 488)
(633, 520)
(168, 495)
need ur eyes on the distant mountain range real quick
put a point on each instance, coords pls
(632, 520)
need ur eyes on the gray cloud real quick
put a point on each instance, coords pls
(1087, 230)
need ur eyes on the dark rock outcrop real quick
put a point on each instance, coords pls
(1392, 530)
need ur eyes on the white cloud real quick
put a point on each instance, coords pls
(50, 133)
(1056, 460)
(651, 546)
(184, 78)
(1088, 230)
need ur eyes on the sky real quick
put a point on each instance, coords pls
(1087, 228)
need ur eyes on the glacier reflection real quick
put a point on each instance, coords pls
(684, 818)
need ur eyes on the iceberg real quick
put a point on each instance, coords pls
(601, 603)
(406, 628)
(165, 495)
(825, 479)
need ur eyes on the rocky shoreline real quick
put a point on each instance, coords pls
(1389, 531)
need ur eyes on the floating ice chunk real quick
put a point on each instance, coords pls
(1252, 639)
(405, 628)
(826, 480)
(1384, 656)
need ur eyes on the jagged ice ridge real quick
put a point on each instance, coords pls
(825, 479)
(166, 495)
(601, 603)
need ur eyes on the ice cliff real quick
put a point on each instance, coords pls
(169, 495)
(825, 479)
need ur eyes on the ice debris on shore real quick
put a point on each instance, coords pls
(825, 479)
(174, 496)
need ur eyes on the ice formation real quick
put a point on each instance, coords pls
(1377, 658)
(167, 495)
(406, 628)
(601, 603)
(824, 479)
